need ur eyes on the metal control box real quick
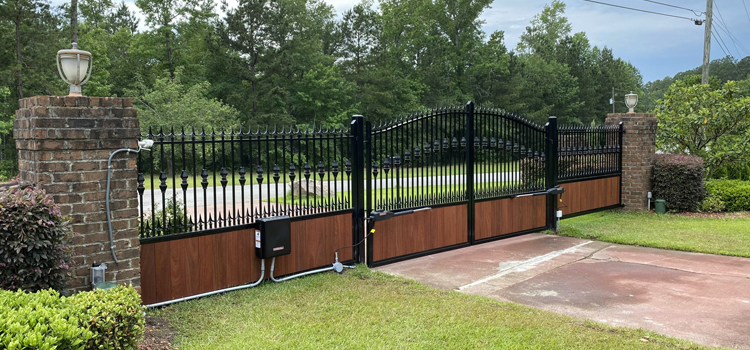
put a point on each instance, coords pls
(273, 237)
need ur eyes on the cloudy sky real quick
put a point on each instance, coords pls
(657, 45)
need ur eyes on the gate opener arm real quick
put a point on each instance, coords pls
(380, 215)
(553, 190)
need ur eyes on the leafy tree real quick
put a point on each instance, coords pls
(711, 123)
(161, 15)
(170, 104)
(34, 28)
(8, 154)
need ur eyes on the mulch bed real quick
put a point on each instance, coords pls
(158, 335)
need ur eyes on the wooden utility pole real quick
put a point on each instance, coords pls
(707, 40)
(74, 19)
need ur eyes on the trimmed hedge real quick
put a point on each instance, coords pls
(678, 179)
(102, 319)
(734, 193)
(33, 241)
(114, 316)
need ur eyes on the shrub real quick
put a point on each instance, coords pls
(678, 180)
(39, 320)
(101, 319)
(114, 316)
(33, 236)
(734, 193)
(712, 204)
(166, 221)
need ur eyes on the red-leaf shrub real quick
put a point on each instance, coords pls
(33, 241)
(678, 179)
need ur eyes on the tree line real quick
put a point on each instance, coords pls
(298, 62)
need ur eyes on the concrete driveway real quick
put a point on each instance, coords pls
(700, 297)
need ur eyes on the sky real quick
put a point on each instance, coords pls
(657, 45)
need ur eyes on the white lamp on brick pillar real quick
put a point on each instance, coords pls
(74, 66)
(631, 100)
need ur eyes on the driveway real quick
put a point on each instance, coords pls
(700, 297)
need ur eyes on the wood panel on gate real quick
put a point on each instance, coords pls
(201, 194)
(181, 266)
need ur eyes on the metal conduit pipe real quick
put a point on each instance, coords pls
(244, 286)
(273, 262)
(142, 145)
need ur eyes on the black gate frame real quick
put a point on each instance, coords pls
(363, 133)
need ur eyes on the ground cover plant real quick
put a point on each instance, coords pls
(725, 234)
(365, 309)
(101, 319)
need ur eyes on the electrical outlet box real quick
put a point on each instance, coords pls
(273, 237)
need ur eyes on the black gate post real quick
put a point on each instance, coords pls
(470, 168)
(551, 172)
(368, 189)
(358, 186)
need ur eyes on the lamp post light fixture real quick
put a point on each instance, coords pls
(631, 100)
(74, 66)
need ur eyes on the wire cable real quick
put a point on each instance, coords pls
(719, 41)
(640, 10)
(734, 40)
(723, 25)
(678, 7)
(746, 12)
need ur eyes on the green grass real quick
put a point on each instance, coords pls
(723, 236)
(364, 309)
(390, 193)
(250, 176)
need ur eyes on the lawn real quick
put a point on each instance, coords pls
(455, 191)
(250, 176)
(365, 309)
(723, 235)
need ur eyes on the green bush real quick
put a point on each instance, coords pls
(39, 320)
(114, 316)
(166, 221)
(734, 193)
(102, 319)
(33, 236)
(678, 180)
(712, 204)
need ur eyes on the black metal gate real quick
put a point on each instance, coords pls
(484, 172)
(458, 156)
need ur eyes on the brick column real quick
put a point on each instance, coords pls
(638, 149)
(63, 145)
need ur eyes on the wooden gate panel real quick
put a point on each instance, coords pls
(189, 266)
(419, 232)
(583, 196)
(509, 215)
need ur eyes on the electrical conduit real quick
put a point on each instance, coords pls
(244, 286)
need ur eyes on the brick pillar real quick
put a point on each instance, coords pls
(63, 145)
(638, 149)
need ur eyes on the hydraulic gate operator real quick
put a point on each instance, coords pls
(273, 237)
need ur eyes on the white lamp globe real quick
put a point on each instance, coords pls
(631, 100)
(74, 67)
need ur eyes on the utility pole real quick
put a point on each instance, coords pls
(74, 20)
(707, 40)
(613, 100)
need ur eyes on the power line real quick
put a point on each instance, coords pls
(677, 7)
(723, 25)
(720, 41)
(747, 13)
(735, 42)
(639, 10)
